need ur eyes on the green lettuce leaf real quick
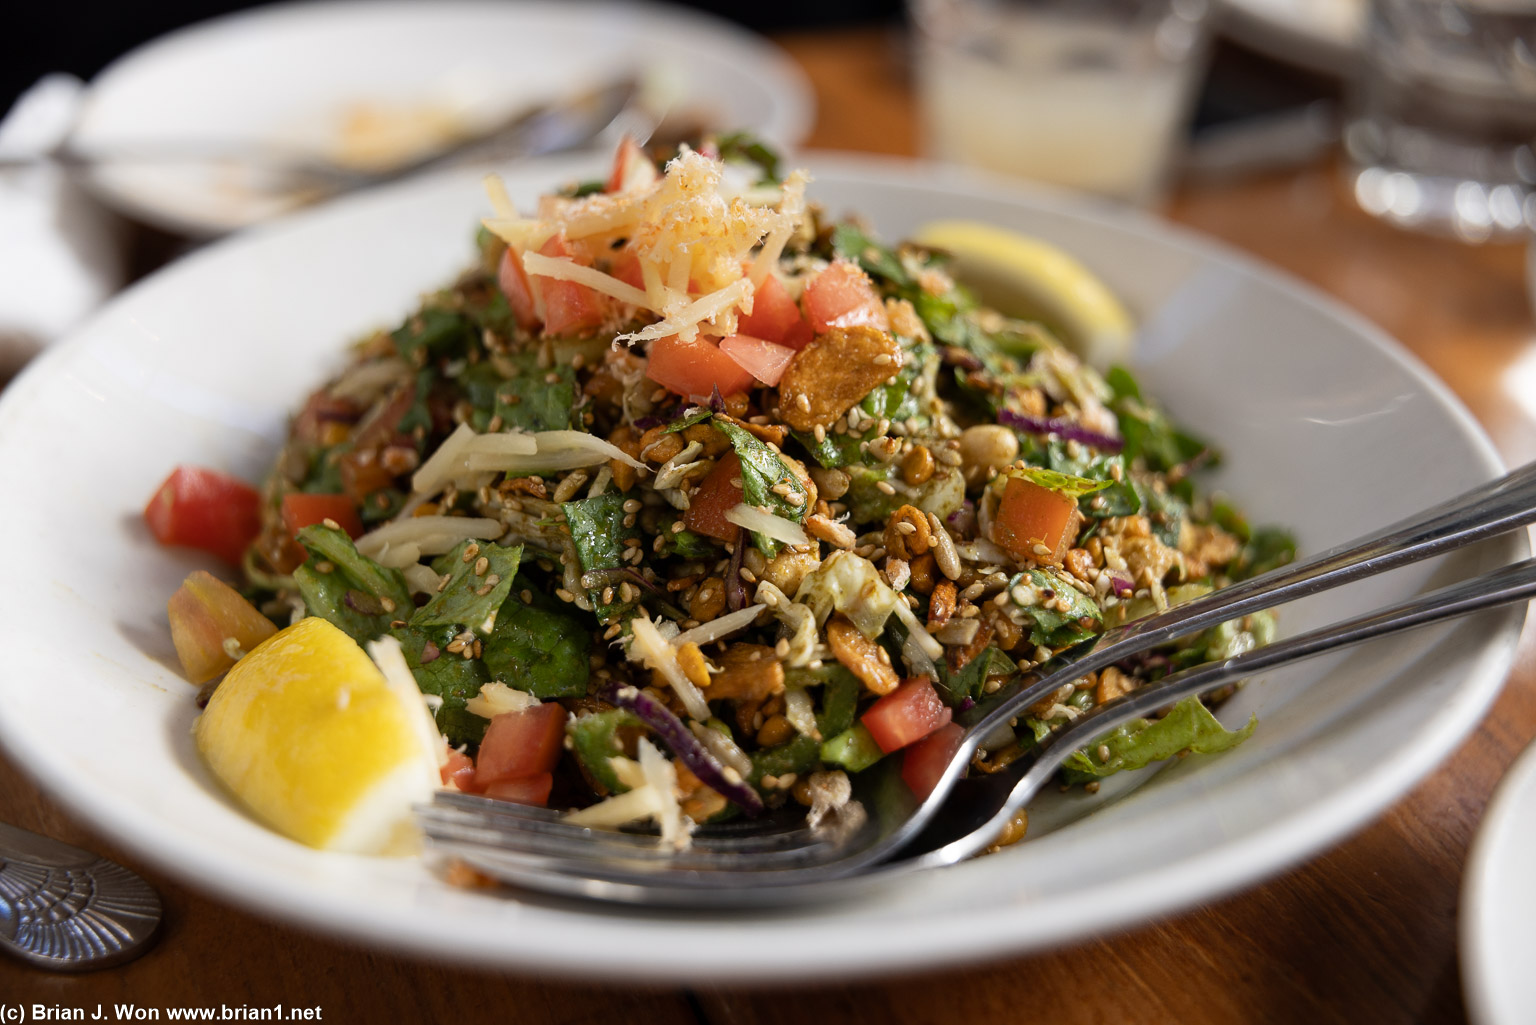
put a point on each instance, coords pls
(468, 598)
(450, 676)
(598, 533)
(972, 677)
(1068, 484)
(544, 653)
(346, 587)
(532, 398)
(761, 471)
(1057, 627)
(1190, 726)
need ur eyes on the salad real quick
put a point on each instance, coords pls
(688, 501)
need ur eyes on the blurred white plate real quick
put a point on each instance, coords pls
(297, 75)
(1323, 35)
(1327, 425)
(1498, 904)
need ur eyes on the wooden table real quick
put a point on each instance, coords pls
(1365, 933)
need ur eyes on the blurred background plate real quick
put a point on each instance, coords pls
(359, 78)
(1323, 35)
(1498, 905)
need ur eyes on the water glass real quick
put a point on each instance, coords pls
(1089, 94)
(1443, 116)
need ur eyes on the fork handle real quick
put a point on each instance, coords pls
(1504, 586)
(1486, 511)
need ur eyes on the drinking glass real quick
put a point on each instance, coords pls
(1443, 116)
(1089, 94)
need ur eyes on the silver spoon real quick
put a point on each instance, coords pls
(68, 910)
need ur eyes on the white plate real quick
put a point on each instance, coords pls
(1498, 904)
(1323, 35)
(1327, 424)
(290, 74)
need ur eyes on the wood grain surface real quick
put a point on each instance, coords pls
(1365, 933)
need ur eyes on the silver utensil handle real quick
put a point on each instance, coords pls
(1505, 586)
(1485, 511)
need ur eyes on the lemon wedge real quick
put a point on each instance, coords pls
(1031, 279)
(316, 740)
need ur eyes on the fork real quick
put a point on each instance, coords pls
(746, 864)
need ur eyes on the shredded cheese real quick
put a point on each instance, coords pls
(497, 698)
(652, 795)
(430, 535)
(776, 527)
(563, 268)
(661, 774)
(386, 654)
(691, 233)
(647, 645)
(717, 628)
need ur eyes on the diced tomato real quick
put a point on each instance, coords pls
(763, 360)
(527, 790)
(775, 317)
(459, 770)
(203, 612)
(843, 296)
(632, 169)
(569, 308)
(302, 510)
(715, 496)
(515, 286)
(924, 762)
(695, 369)
(1030, 515)
(205, 509)
(521, 744)
(905, 715)
(626, 267)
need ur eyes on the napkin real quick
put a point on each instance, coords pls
(60, 251)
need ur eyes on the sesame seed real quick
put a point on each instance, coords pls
(387, 604)
(564, 595)
(471, 551)
(331, 523)
(481, 565)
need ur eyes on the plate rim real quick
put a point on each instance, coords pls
(1224, 869)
